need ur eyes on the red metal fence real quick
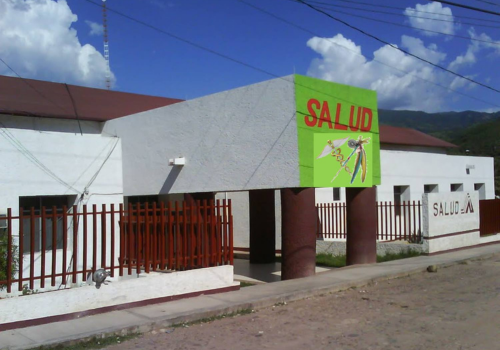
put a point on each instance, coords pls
(141, 237)
(395, 221)
(489, 216)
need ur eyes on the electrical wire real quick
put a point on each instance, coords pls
(404, 15)
(25, 152)
(469, 7)
(413, 27)
(405, 8)
(489, 2)
(358, 54)
(217, 53)
(396, 47)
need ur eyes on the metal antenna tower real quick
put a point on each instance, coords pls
(106, 44)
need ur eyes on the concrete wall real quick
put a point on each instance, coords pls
(415, 167)
(339, 247)
(147, 286)
(71, 163)
(450, 221)
(235, 140)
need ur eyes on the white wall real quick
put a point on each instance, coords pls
(147, 286)
(235, 140)
(71, 159)
(416, 168)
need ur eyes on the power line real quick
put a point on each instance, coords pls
(489, 2)
(404, 8)
(469, 7)
(417, 28)
(395, 47)
(31, 157)
(406, 15)
(201, 47)
(356, 53)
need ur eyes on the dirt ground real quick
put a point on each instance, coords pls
(456, 308)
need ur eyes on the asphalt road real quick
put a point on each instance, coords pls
(456, 308)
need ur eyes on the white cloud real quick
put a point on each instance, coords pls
(95, 28)
(37, 40)
(342, 61)
(469, 58)
(444, 24)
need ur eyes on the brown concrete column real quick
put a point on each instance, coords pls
(262, 226)
(298, 233)
(361, 225)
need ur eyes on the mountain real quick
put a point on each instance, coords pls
(442, 125)
(476, 133)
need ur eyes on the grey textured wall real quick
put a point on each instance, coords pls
(235, 140)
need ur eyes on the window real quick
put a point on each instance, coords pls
(37, 203)
(336, 194)
(401, 194)
(142, 200)
(481, 189)
(456, 187)
(431, 189)
(3, 227)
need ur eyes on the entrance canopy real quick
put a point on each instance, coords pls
(294, 131)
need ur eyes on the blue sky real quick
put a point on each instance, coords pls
(59, 46)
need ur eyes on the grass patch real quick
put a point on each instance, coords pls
(213, 318)
(330, 260)
(409, 253)
(94, 343)
(246, 284)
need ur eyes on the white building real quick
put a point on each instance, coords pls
(68, 145)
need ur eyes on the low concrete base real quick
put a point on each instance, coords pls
(339, 247)
(55, 306)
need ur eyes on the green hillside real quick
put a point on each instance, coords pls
(476, 133)
(443, 125)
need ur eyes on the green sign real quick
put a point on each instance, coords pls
(338, 134)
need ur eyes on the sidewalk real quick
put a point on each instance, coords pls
(144, 319)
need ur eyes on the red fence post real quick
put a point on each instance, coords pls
(184, 235)
(147, 240)
(130, 237)
(9, 250)
(94, 238)
(112, 223)
(170, 235)
(44, 246)
(75, 242)
(230, 215)
(139, 238)
(85, 250)
(54, 245)
(192, 251)
(65, 244)
(21, 249)
(163, 241)
(32, 248)
(178, 247)
(154, 252)
(121, 258)
(220, 257)
(103, 237)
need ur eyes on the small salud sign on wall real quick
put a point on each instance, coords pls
(338, 134)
